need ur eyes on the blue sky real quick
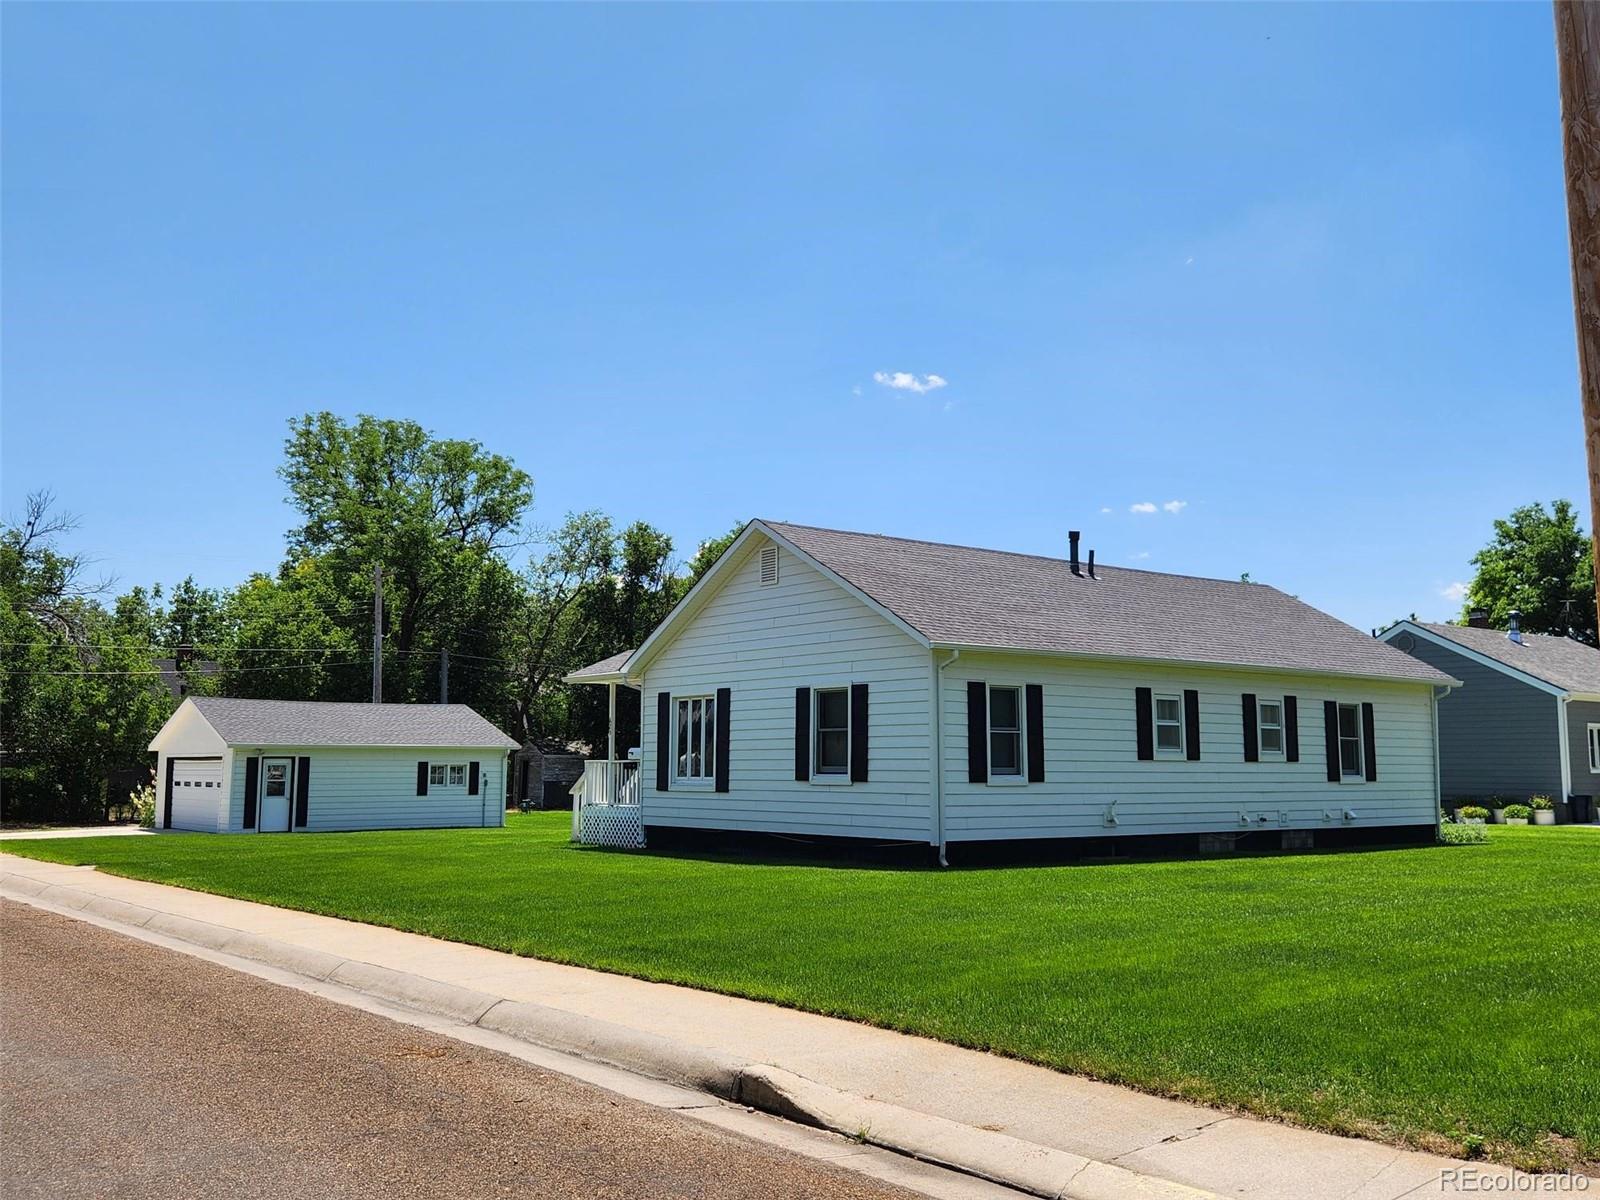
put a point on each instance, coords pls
(1298, 272)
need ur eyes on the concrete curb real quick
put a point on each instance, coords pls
(997, 1157)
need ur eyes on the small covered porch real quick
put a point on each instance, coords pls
(605, 800)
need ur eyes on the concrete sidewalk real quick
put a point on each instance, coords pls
(1032, 1128)
(74, 831)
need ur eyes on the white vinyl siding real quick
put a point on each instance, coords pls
(1091, 755)
(762, 642)
(361, 787)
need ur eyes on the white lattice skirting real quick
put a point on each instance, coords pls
(613, 825)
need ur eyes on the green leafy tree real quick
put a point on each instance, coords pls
(710, 551)
(283, 644)
(438, 515)
(1539, 564)
(81, 696)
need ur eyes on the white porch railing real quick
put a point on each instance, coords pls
(605, 804)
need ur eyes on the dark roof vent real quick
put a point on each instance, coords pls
(1072, 540)
(1091, 565)
(1478, 619)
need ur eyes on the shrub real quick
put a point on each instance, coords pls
(1463, 835)
(1518, 812)
(1541, 803)
(1474, 812)
(144, 804)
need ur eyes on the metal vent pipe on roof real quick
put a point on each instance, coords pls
(1515, 632)
(1072, 540)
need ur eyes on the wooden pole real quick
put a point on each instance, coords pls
(377, 634)
(1578, 55)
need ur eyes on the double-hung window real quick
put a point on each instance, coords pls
(447, 774)
(436, 774)
(1269, 723)
(1594, 749)
(1005, 732)
(697, 737)
(1169, 726)
(830, 755)
(1350, 741)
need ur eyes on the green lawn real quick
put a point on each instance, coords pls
(1429, 996)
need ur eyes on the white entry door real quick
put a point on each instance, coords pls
(276, 786)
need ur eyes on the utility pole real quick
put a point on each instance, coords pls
(377, 634)
(444, 675)
(1578, 55)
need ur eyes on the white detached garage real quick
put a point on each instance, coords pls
(275, 766)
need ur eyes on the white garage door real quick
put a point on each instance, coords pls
(196, 793)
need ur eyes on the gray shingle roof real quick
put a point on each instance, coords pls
(963, 596)
(324, 723)
(606, 666)
(1562, 661)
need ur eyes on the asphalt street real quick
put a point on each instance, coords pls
(128, 1070)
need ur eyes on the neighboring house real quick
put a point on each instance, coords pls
(1528, 721)
(544, 772)
(243, 766)
(817, 682)
(175, 677)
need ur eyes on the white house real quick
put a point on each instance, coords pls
(274, 766)
(832, 684)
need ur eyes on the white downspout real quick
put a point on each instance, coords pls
(938, 751)
(1438, 779)
(1565, 731)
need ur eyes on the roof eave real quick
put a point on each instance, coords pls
(1442, 680)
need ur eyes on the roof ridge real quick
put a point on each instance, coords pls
(1050, 558)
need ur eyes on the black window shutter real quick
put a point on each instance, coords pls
(1291, 729)
(1144, 711)
(1191, 724)
(977, 732)
(422, 779)
(1330, 733)
(858, 733)
(802, 734)
(302, 790)
(1252, 744)
(724, 697)
(1369, 743)
(663, 738)
(1035, 701)
(472, 779)
(252, 781)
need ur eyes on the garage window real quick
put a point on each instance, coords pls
(436, 774)
(458, 774)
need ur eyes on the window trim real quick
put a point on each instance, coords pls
(1594, 746)
(1360, 773)
(708, 739)
(1020, 778)
(1262, 726)
(1181, 750)
(439, 775)
(831, 778)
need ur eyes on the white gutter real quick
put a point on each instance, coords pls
(937, 730)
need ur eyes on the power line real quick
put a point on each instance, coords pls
(354, 662)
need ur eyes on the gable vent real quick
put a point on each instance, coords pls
(769, 566)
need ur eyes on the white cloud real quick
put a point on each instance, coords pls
(1142, 554)
(1105, 510)
(1144, 506)
(1175, 506)
(856, 391)
(1456, 591)
(907, 381)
